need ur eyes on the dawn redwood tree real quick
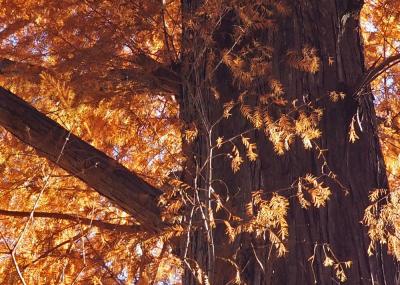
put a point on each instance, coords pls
(332, 28)
(279, 81)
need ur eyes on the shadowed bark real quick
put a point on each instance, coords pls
(332, 28)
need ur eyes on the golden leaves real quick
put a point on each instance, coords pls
(380, 32)
(335, 96)
(138, 130)
(352, 132)
(219, 142)
(250, 148)
(271, 215)
(381, 217)
(230, 231)
(266, 217)
(227, 109)
(58, 89)
(237, 160)
(246, 111)
(257, 118)
(305, 127)
(276, 87)
(306, 60)
(282, 132)
(318, 194)
(191, 133)
(249, 65)
(330, 260)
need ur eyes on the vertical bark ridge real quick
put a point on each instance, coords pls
(332, 28)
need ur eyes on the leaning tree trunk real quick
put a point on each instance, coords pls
(332, 27)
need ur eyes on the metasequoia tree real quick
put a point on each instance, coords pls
(279, 139)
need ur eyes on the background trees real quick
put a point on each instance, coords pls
(268, 98)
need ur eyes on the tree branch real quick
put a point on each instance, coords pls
(96, 169)
(81, 220)
(376, 70)
(148, 73)
(11, 68)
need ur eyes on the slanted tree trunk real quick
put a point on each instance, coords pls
(332, 27)
(95, 168)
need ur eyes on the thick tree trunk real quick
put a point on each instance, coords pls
(332, 27)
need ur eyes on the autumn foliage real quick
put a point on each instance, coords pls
(107, 71)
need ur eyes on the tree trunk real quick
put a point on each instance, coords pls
(332, 27)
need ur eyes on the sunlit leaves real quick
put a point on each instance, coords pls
(250, 148)
(191, 133)
(317, 192)
(78, 50)
(330, 260)
(227, 109)
(267, 217)
(335, 96)
(352, 131)
(305, 60)
(237, 160)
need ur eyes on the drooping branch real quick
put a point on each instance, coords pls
(70, 217)
(96, 169)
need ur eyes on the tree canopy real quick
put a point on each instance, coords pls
(94, 150)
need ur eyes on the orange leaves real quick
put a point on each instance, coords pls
(250, 148)
(330, 260)
(381, 32)
(306, 60)
(352, 131)
(191, 133)
(265, 217)
(309, 185)
(83, 91)
(237, 160)
(282, 132)
(306, 127)
(227, 109)
(335, 96)
(276, 87)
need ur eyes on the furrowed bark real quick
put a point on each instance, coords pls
(96, 169)
(332, 28)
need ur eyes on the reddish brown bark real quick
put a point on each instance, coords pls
(332, 27)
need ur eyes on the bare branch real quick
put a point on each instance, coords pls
(377, 70)
(78, 219)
